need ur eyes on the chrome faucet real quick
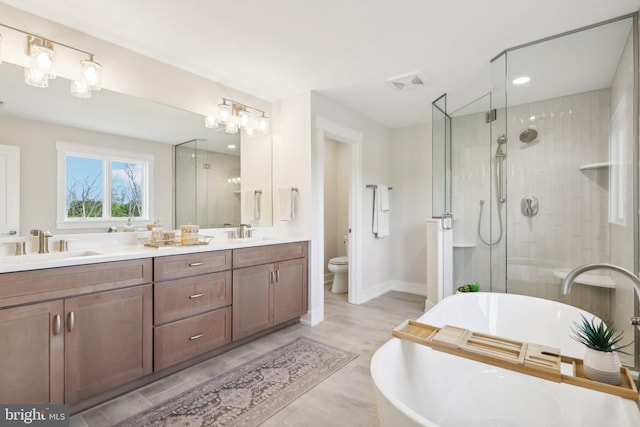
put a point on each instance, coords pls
(43, 240)
(571, 276)
(243, 231)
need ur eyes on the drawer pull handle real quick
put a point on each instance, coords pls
(196, 336)
(196, 264)
(72, 321)
(277, 275)
(57, 324)
(194, 296)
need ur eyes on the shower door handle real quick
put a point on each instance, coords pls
(446, 221)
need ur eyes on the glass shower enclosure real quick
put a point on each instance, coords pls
(544, 172)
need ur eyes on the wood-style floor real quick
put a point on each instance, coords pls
(346, 398)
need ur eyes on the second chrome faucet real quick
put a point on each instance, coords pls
(43, 240)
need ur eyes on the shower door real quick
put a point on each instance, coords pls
(477, 203)
(572, 157)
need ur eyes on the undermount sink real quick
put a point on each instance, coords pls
(51, 256)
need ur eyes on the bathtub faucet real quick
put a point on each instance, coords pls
(571, 276)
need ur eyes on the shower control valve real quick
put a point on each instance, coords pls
(529, 206)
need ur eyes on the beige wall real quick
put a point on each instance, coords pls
(38, 169)
(336, 199)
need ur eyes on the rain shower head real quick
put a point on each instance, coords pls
(528, 135)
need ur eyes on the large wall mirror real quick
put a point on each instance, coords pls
(36, 119)
(223, 181)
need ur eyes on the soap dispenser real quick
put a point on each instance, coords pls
(129, 226)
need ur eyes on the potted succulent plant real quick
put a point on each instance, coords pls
(469, 287)
(601, 361)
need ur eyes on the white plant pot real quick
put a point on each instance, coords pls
(602, 366)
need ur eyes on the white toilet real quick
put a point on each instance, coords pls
(339, 266)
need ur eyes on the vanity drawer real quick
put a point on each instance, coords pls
(25, 287)
(246, 257)
(184, 339)
(181, 298)
(179, 266)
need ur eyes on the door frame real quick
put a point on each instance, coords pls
(325, 128)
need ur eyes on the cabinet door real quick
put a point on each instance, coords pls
(32, 354)
(290, 290)
(252, 300)
(108, 341)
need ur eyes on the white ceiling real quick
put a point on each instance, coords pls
(343, 49)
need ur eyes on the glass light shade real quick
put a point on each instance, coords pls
(35, 78)
(80, 89)
(244, 118)
(263, 124)
(231, 127)
(0, 48)
(43, 60)
(91, 74)
(224, 113)
(250, 131)
(211, 122)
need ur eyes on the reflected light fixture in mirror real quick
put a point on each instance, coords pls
(0, 48)
(235, 116)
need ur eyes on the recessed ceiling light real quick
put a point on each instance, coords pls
(521, 80)
(231, 146)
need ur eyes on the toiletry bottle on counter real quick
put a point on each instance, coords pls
(129, 226)
(157, 234)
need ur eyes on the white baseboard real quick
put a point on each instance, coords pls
(374, 292)
(312, 317)
(409, 287)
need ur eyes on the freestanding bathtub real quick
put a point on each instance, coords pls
(419, 386)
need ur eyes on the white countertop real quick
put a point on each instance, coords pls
(104, 251)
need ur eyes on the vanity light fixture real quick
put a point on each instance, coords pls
(211, 122)
(0, 48)
(43, 62)
(235, 116)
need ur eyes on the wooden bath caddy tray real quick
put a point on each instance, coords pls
(531, 359)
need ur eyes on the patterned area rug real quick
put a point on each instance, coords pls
(251, 393)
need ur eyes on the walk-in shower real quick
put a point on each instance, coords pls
(564, 190)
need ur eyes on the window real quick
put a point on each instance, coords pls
(97, 184)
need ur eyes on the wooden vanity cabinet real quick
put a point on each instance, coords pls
(95, 335)
(32, 354)
(270, 293)
(107, 341)
(192, 313)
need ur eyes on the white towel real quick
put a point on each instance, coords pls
(257, 205)
(287, 204)
(384, 198)
(380, 218)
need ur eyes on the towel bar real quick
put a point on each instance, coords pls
(374, 186)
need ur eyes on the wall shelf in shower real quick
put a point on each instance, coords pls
(464, 245)
(586, 279)
(589, 166)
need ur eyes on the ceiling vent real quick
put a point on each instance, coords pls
(407, 81)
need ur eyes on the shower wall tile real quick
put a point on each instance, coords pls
(571, 227)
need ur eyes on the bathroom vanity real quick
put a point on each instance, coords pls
(81, 334)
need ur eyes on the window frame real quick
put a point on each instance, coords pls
(107, 156)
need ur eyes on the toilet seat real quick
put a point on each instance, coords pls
(341, 260)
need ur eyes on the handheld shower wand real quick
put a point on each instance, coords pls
(499, 156)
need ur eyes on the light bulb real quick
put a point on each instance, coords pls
(91, 74)
(263, 124)
(244, 118)
(80, 89)
(211, 122)
(224, 112)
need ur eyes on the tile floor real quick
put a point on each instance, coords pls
(345, 399)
